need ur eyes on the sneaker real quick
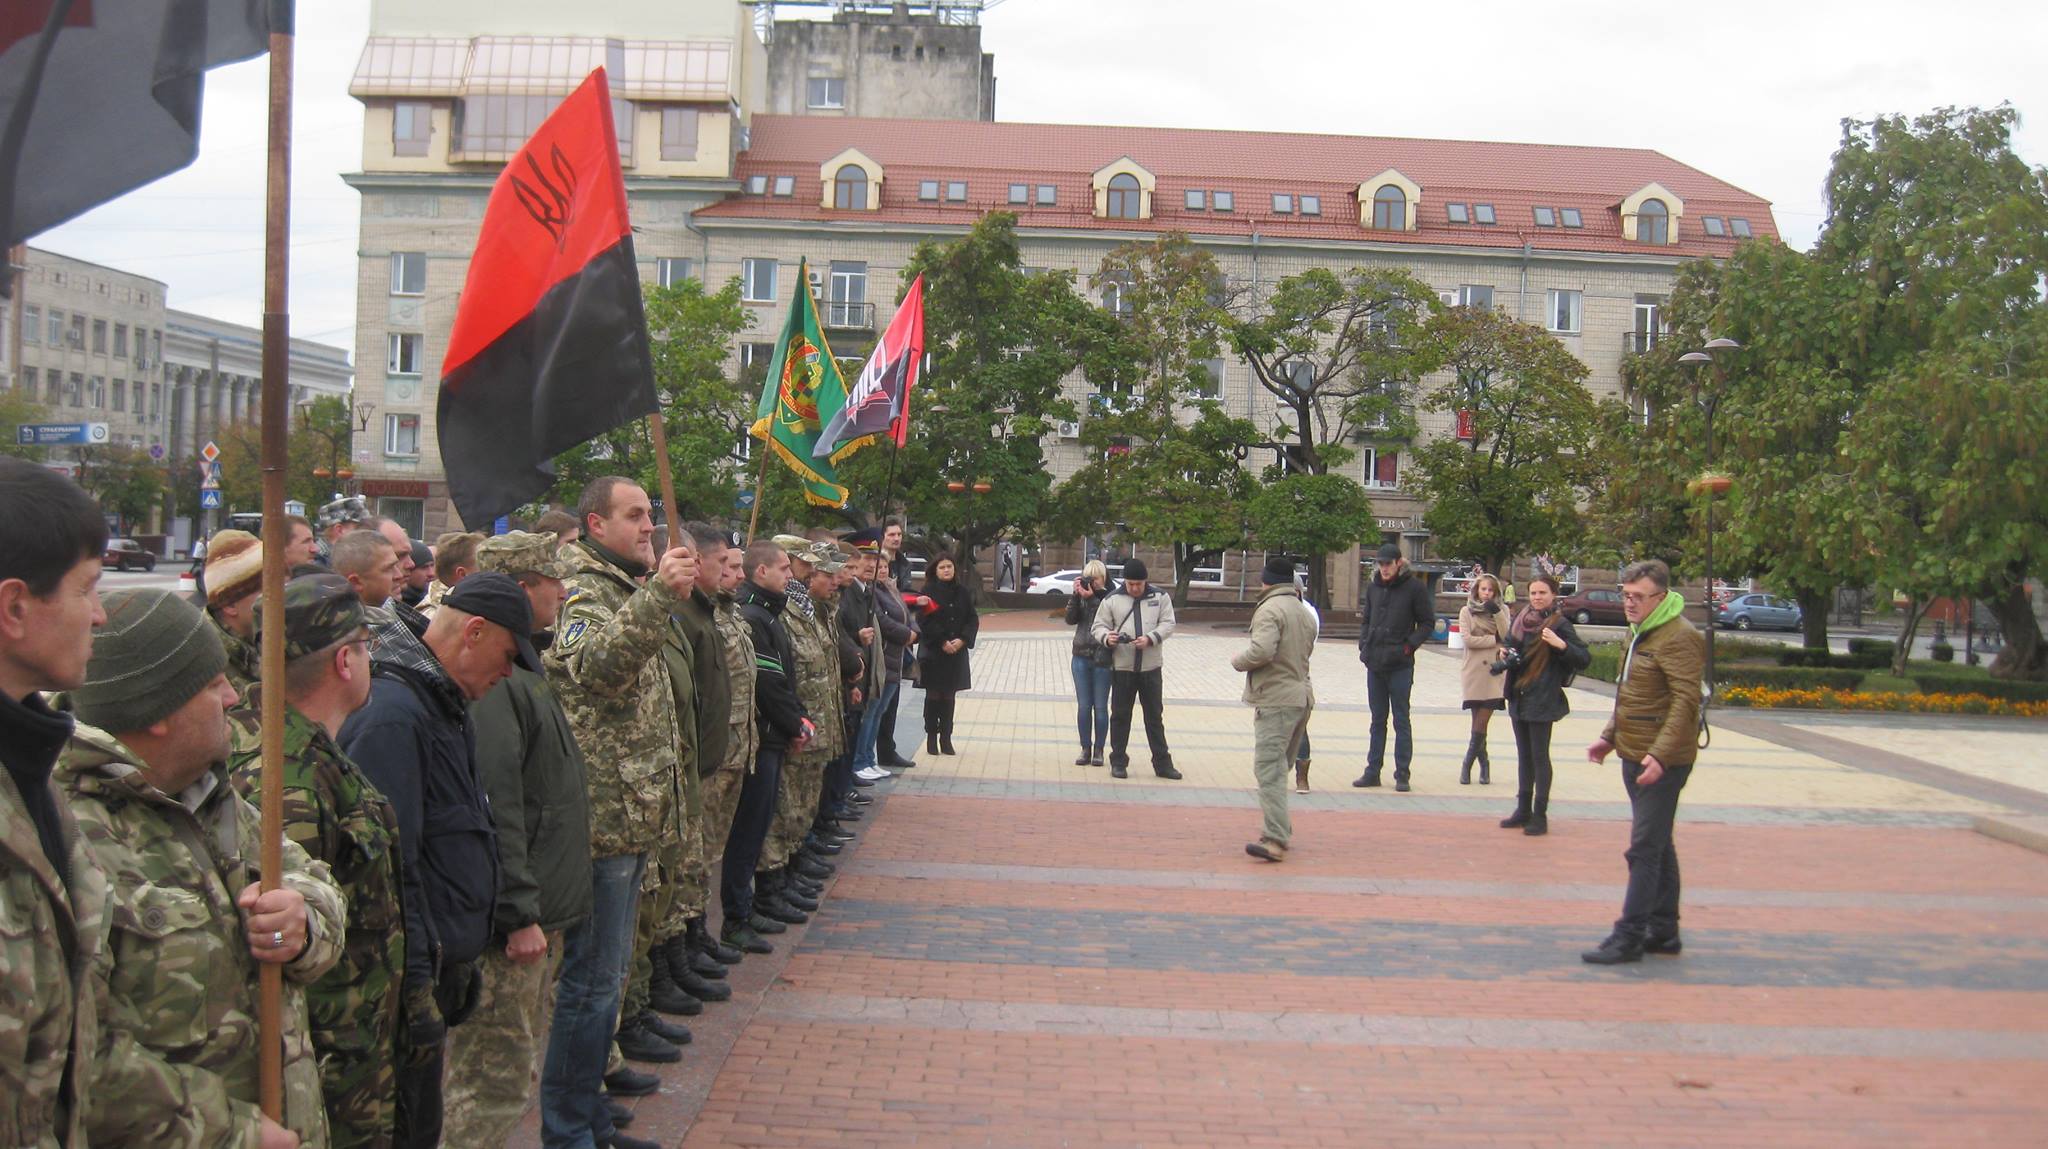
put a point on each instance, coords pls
(1269, 850)
(1618, 949)
(626, 1081)
(873, 774)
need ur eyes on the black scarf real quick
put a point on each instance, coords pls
(634, 568)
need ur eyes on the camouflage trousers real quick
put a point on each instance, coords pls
(493, 1064)
(796, 807)
(360, 1087)
(721, 799)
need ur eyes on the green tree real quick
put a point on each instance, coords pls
(1310, 514)
(705, 409)
(1153, 429)
(1339, 353)
(1533, 457)
(320, 438)
(15, 410)
(125, 480)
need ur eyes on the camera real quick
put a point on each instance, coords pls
(1510, 659)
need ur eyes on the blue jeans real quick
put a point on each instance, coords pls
(595, 954)
(1384, 689)
(1091, 693)
(871, 726)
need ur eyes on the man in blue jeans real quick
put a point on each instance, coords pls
(1396, 616)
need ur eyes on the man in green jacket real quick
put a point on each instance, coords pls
(1276, 685)
(534, 775)
(1655, 726)
(339, 817)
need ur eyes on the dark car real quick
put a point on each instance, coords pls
(127, 554)
(1600, 607)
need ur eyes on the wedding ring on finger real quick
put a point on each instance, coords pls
(277, 940)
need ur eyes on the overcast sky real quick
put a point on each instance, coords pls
(1751, 92)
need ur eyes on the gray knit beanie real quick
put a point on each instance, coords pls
(154, 654)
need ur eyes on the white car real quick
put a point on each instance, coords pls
(1058, 582)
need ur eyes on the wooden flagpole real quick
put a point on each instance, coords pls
(276, 372)
(760, 484)
(669, 513)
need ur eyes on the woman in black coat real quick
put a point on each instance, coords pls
(945, 636)
(1550, 652)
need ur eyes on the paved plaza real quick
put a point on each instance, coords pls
(1024, 952)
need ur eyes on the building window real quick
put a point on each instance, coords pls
(495, 127)
(408, 273)
(671, 272)
(1475, 295)
(928, 190)
(96, 392)
(956, 191)
(1390, 209)
(1116, 299)
(74, 388)
(1545, 217)
(1311, 205)
(76, 336)
(1569, 216)
(1020, 193)
(156, 346)
(121, 340)
(1210, 386)
(28, 383)
(1125, 200)
(401, 434)
(1283, 205)
(785, 186)
(412, 128)
(1564, 312)
(1653, 222)
(1456, 213)
(1382, 469)
(1196, 200)
(679, 133)
(1482, 213)
(32, 324)
(757, 185)
(403, 353)
(1222, 201)
(757, 280)
(1739, 226)
(121, 395)
(1712, 224)
(847, 296)
(156, 392)
(850, 188)
(826, 92)
(99, 337)
(1048, 195)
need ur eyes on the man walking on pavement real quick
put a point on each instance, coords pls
(1276, 686)
(1655, 726)
(1133, 622)
(1396, 617)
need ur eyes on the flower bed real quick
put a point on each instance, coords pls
(1827, 698)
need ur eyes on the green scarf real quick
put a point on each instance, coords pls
(1672, 607)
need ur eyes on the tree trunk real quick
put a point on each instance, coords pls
(1813, 612)
(1183, 572)
(1319, 580)
(2024, 655)
(1915, 611)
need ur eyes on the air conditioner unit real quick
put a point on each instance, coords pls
(1070, 430)
(817, 282)
(1450, 298)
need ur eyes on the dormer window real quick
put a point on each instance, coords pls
(850, 188)
(1283, 204)
(850, 181)
(1482, 213)
(785, 186)
(1570, 217)
(757, 185)
(1545, 217)
(928, 190)
(1653, 222)
(1712, 225)
(1739, 226)
(1311, 205)
(1455, 213)
(1389, 209)
(1126, 198)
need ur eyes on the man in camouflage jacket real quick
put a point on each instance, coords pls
(338, 816)
(607, 670)
(188, 925)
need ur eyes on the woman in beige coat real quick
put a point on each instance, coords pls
(1482, 622)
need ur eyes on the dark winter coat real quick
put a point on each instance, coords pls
(1395, 619)
(1542, 700)
(956, 618)
(779, 713)
(540, 801)
(898, 630)
(1081, 616)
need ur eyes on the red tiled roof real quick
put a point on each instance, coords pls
(1254, 166)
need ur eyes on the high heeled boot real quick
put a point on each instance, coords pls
(1485, 763)
(1471, 756)
(946, 729)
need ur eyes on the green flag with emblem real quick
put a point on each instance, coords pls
(787, 417)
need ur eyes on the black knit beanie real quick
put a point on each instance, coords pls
(154, 654)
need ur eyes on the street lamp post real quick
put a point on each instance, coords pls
(1708, 398)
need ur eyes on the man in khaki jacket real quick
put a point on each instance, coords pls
(1655, 726)
(1277, 687)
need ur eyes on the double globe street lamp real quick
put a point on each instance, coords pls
(1707, 396)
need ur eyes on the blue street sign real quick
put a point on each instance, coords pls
(209, 500)
(156, 450)
(61, 435)
(743, 500)
(501, 525)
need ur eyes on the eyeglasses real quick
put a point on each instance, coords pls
(1631, 596)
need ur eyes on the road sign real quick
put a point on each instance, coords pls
(501, 525)
(743, 500)
(156, 450)
(210, 452)
(61, 435)
(209, 476)
(209, 500)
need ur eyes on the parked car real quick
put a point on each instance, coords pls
(1062, 582)
(1594, 607)
(1748, 611)
(127, 554)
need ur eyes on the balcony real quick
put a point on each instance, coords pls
(1640, 342)
(843, 316)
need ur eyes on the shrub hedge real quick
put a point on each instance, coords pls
(1792, 677)
(1952, 682)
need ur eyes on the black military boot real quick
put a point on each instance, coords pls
(662, 991)
(674, 1033)
(697, 985)
(700, 938)
(622, 1116)
(638, 1043)
(745, 937)
(620, 1140)
(811, 867)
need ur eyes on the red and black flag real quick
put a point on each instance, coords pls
(549, 347)
(879, 401)
(98, 97)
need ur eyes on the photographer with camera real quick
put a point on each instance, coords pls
(1091, 663)
(1537, 661)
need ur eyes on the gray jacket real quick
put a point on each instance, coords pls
(1150, 615)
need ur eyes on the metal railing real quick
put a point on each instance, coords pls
(845, 316)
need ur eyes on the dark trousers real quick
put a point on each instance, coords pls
(938, 713)
(1144, 687)
(751, 819)
(419, 1096)
(1650, 908)
(1388, 690)
(1532, 768)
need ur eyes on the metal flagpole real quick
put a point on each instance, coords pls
(276, 370)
